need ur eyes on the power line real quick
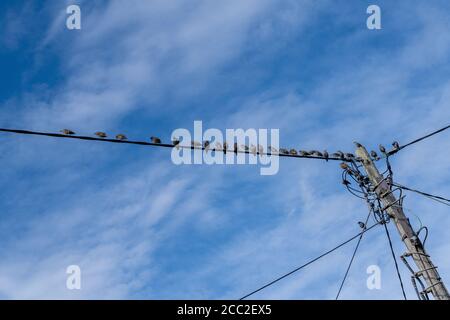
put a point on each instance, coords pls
(366, 197)
(309, 262)
(428, 195)
(163, 145)
(395, 261)
(423, 138)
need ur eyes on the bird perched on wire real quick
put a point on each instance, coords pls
(284, 151)
(273, 150)
(339, 154)
(235, 148)
(206, 145)
(374, 155)
(396, 145)
(67, 132)
(196, 144)
(326, 156)
(260, 149)
(225, 147)
(344, 166)
(155, 140)
(303, 153)
(176, 143)
(121, 137)
(382, 149)
(362, 225)
(253, 149)
(100, 134)
(349, 156)
(245, 147)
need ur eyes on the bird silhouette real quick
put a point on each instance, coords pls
(260, 149)
(206, 145)
(67, 132)
(101, 134)
(121, 137)
(357, 144)
(396, 145)
(253, 149)
(284, 151)
(374, 155)
(273, 150)
(235, 148)
(176, 143)
(349, 156)
(244, 147)
(303, 153)
(362, 225)
(326, 155)
(293, 152)
(382, 149)
(155, 140)
(344, 166)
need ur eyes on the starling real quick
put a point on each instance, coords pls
(349, 155)
(326, 155)
(284, 151)
(339, 154)
(304, 153)
(374, 155)
(176, 143)
(382, 149)
(260, 149)
(100, 134)
(206, 145)
(396, 145)
(293, 152)
(362, 225)
(244, 147)
(344, 166)
(155, 140)
(67, 131)
(121, 137)
(318, 154)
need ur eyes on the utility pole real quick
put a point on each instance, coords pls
(415, 248)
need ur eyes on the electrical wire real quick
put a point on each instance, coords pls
(308, 263)
(352, 258)
(422, 138)
(428, 195)
(164, 145)
(395, 261)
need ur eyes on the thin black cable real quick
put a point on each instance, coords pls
(422, 138)
(164, 145)
(308, 263)
(371, 209)
(428, 195)
(395, 261)
(352, 258)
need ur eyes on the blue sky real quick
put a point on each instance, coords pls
(140, 227)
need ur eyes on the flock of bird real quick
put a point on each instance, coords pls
(259, 149)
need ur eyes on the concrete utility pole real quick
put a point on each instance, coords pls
(393, 207)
